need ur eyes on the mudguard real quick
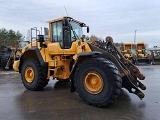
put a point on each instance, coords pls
(33, 52)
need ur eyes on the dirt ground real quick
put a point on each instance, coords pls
(57, 103)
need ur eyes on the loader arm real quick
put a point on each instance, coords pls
(129, 72)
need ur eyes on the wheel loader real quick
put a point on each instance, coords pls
(143, 54)
(129, 53)
(96, 70)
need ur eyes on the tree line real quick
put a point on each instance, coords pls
(10, 37)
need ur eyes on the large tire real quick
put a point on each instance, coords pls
(33, 75)
(97, 81)
(4, 62)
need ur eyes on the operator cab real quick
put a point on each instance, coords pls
(65, 30)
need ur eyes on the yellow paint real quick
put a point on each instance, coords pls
(29, 74)
(93, 82)
(16, 65)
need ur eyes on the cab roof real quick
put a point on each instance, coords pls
(59, 19)
(140, 43)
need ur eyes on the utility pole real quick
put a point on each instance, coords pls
(135, 39)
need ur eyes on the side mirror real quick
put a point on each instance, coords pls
(40, 38)
(45, 31)
(87, 29)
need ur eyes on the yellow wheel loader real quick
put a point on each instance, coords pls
(143, 54)
(127, 47)
(129, 53)
(97, 71)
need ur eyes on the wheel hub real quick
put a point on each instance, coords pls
(93, 83)
(29, 74)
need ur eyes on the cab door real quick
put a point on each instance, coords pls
(61, 34)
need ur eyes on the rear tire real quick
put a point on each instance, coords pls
(4, 62)
(34, 75)
(97, 81)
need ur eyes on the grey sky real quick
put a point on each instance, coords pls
(117, 18)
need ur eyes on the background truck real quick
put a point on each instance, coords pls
(143, 54)
(96, 71)
(129, 53)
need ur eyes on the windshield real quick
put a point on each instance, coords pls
(132, 52)
(147, 52)
(76, 33)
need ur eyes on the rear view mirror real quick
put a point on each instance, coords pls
(40, 38)
(87, 29)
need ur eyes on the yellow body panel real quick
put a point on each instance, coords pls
(57, 61)
(16, 65)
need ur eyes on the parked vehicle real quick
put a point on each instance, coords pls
(97, 71)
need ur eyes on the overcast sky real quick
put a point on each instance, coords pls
(116, 18)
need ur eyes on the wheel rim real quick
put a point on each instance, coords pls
(29, 74)
(93, 83)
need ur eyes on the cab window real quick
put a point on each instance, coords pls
(57, 32)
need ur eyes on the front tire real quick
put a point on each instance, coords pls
(97, 81)
(34, 75)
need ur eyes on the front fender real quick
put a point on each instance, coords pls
(83, 56)
(80, 58)
(33, 52)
